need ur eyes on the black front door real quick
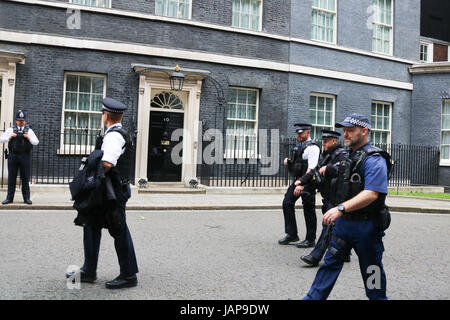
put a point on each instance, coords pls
(160, 166)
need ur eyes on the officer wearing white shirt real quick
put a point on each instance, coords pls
(21, 139)
(117, 161)
(305, 157)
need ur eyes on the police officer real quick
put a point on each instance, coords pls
(21, 140)
(117, 161)
(304, 158)
(356, 221)
(326, 172)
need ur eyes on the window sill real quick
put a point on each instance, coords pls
(444, 163)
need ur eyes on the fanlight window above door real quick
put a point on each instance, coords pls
(167, 100)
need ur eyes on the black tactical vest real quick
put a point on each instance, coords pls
(20, 144)
(334, 156)
(355, 180)
(297, 166)
(121, 173)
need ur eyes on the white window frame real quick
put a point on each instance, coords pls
(241, 153)
(389, 139)
(75, 149)
(96, 2)
(333, 112)
(429, 46)
(391, 35)
(260, 17)
(443, 162)
(166, 8)
(334, 22)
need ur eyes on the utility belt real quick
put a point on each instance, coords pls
(358, 216)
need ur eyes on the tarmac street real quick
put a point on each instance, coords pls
(214, 254)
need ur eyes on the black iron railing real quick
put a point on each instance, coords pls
(245, 164)
(413, 166)
(57, 157)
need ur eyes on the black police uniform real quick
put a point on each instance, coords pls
(19, 154)
(331, 159)
(298, 167)
(123, 243)
(363, 229)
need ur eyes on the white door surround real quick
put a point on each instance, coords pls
(151, 83)
(8, 61)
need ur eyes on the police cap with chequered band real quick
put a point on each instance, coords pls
(302, 127)
(327, 134)
(113, 106)
(353, 120)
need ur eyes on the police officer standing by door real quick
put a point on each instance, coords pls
(21, 140)
(304, 158)
(359, 221)
(117, 161)
(324, 179)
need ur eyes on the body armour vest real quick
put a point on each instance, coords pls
(356, 179)
(334, 157)
(20, 144)
(297, 166)
(122, 171)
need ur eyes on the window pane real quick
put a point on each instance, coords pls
(445, 154)
(184, 10)
(172, 9)
(242, 96)
(251, 97)
(70, 120)
(83, 120)
(244, 21)
(95, 121)
(255, 7)
(245, 8)
(97, 85)
(328, 117)
(446, 138)
(236, 5)
(97, 102)
(72, 83)
(84, 102)
(230, 126)
(446, 107)
(241, 112)
(71, 101)
(159, 7)
(231, 111)
(251, 112)
(232, 95)
(329, 104)
(85, 84)
(446, 122)
(321, 104)
(235, 22)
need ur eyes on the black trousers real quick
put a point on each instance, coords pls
(325, 236)
(309, 210)
(19, 162)
(123, 244)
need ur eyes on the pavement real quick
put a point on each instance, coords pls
(58, 198)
